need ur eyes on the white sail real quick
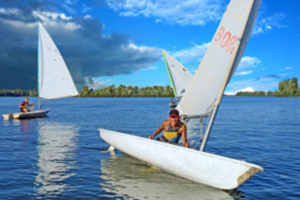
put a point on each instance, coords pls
(179, 75)
(54, 78)
(221, 58)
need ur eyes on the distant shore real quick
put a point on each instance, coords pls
(286, 88)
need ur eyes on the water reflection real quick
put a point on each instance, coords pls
(24, 125)
(55, 157)
(128, 178)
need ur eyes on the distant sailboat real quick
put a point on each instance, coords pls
(180, 76)
(201, 99)
(54, 78)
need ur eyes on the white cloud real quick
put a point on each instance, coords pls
(85, 8)
(188, 12)
(51, 15)
(264, 24)
(10, 11)
(192, 54)
(267, 83)
(53, 18)
(132, 46)
(87, 17)
(94, 83)
(150, 68)
(248, 62)
(229, 93)
(287, 68)
(243, 73)
(247, 89)
(196, 53)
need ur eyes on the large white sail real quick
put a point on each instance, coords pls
(221, 58)
(54, 78)
(179, 75)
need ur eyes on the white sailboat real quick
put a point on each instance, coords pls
(210, 80)
(54, 78)
(179, 75)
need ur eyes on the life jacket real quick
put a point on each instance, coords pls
(24, 104)
(171, 134)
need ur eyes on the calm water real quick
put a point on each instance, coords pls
(62, 156)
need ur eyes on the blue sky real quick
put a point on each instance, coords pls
(120, 41)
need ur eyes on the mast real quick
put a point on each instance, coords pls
(39, 65)
(208, 129)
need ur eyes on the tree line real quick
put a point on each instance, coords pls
(110, 91)
(128, 91)
(286, 88)
(18, 93)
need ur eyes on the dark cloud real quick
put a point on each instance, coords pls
(270, 76)
(86, 50)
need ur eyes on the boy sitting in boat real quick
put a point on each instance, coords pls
(173, 130)
(24, 105)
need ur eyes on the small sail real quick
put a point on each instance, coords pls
(179, 75)
(54, 78)
(221, 58)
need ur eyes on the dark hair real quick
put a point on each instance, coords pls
(174, 112)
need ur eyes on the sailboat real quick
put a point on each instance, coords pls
(179, 75)
(214, 72)
(54, 78)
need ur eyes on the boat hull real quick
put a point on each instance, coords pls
(27, 115)
(206, 168)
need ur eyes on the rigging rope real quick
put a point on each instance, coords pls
(70, 103)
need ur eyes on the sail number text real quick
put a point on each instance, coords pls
(226, 39)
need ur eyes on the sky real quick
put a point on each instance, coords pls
(107, 42)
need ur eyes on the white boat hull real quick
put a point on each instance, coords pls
(206, 168)
(26, 115)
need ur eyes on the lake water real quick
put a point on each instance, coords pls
(62, 156)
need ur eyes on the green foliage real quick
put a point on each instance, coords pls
(288, 88)
(128, 91)
(18, 92)
(255, 93)
(294, 85)
(85, 91)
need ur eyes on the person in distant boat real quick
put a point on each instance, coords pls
(172, 104)
(173, 128)
(24, 105)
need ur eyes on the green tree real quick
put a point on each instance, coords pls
(294, 86)
(85, 91)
